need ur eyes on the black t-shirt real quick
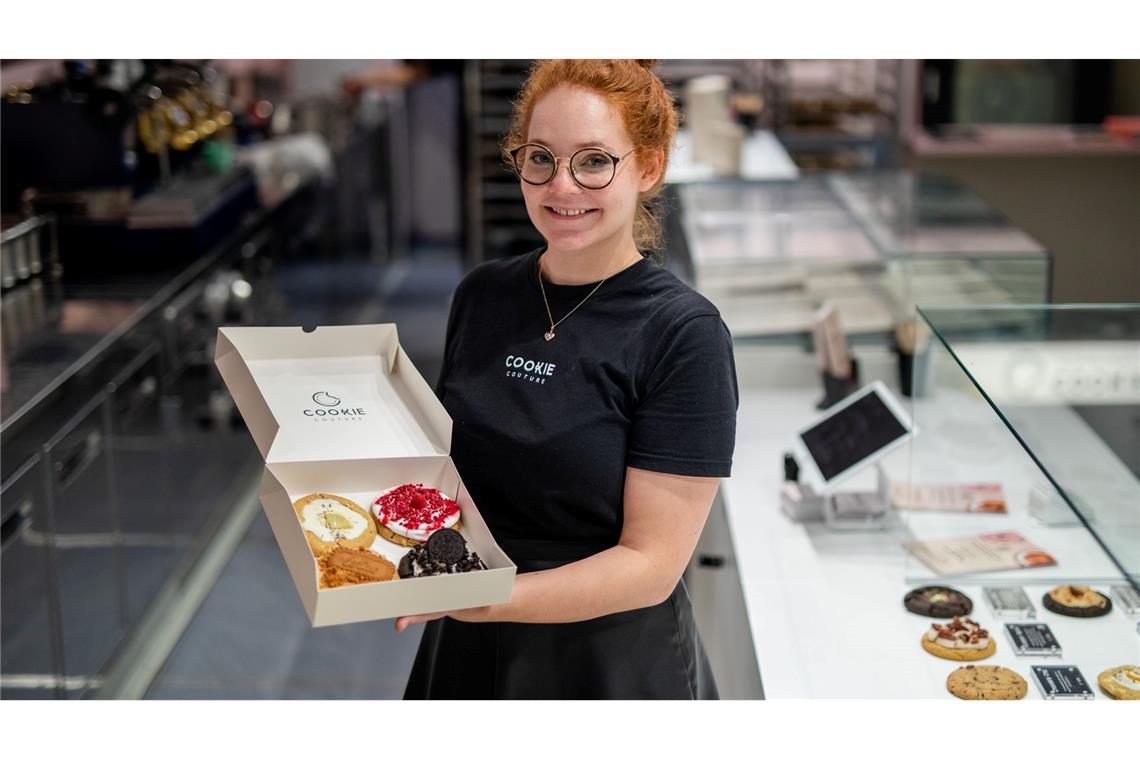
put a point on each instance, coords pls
(642, 375)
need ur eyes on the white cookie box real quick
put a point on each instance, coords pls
(342, 410)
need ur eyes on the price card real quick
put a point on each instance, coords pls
(1128, 598)
(1033, 639)
(1009, 602)
(1061, 682)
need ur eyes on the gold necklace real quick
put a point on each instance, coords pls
(549, 335)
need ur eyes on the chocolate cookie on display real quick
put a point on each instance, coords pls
(1077, 601)
(938, 602)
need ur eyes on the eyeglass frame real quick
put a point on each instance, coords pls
(570, 164)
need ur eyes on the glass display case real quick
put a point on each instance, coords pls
(1037, 408)
(770, 254)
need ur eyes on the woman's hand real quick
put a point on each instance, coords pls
(472, 615)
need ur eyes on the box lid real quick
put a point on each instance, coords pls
(337, 392)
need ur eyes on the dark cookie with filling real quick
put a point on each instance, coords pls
(446, 546)
(938, 602)
(419, 562)
(1077, 601)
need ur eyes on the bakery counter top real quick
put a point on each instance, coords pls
(825, 607)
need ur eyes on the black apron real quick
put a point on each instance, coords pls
(543, 433)
(649, 653)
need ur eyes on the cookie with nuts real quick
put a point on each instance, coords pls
(961, 639)
(1077, 601)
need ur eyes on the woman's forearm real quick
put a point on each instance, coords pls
(615, 580)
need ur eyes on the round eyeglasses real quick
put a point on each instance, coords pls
(591, 168)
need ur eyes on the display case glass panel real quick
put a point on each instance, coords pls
(769, 254)
(1043, 401)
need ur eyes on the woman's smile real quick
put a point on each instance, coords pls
(568, 214)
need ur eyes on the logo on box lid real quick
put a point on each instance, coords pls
(328, 410)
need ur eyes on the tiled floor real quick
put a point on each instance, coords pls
(251, 639)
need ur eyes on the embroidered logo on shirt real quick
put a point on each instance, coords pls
(529, 370)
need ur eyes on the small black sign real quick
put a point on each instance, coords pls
(1033, 639)
(1061, 682)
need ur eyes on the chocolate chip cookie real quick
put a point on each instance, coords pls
(986, 682)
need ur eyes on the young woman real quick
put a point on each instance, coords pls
(594, 402)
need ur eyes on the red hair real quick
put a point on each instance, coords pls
(646, 108)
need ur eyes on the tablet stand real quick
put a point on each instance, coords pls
(860, 510)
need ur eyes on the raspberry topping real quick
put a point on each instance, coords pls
(415, 507)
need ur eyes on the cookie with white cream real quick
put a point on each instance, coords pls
(331, 521)
(960, 639)
(1122, 682)
(409, 514)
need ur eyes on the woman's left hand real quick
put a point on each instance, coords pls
(472, 615)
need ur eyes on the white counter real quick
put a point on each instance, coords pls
(825, 608)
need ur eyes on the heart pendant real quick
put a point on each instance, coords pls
(549, 335)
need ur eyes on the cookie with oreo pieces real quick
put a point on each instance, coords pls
(446, 546)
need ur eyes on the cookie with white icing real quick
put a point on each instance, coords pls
(1121, 682)
(409, 514)
(331, 521)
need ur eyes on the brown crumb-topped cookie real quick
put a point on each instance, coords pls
(344, 567)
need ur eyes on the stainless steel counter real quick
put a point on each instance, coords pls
(120, 456)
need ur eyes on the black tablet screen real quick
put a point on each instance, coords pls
(851, 435)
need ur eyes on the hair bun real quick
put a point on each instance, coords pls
(646, 63)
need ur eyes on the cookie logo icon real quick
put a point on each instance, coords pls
(325, 399)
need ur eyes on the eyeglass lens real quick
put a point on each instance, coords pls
(592, 168)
